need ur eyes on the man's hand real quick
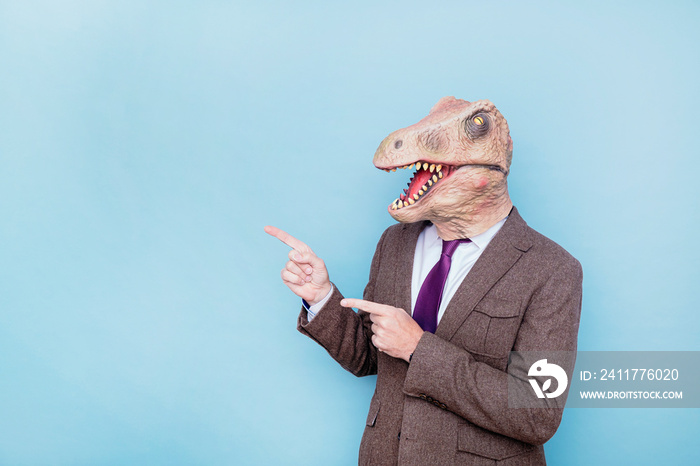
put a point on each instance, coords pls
(395, 332)
(305, 274)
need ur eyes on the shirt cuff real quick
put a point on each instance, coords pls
(311, 311)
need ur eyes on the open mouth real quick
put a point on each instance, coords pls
(424, 179)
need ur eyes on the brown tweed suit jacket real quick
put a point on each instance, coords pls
(450, 404)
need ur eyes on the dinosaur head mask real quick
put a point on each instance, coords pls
(460, 155)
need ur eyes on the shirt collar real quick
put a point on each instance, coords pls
(482, 240)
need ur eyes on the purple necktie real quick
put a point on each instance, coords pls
(430, 295)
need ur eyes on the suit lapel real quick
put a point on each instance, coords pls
(404, 269)
(503, 251)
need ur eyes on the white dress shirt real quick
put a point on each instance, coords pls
(428, 251)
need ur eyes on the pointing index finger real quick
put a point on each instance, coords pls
(286, 238)
(367, 306)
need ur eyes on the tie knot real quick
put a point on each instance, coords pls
(449, 247)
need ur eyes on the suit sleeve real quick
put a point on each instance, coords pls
(345, 334)
(477, 391)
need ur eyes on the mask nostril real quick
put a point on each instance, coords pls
(398, 144)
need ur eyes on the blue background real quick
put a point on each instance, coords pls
(144, 145)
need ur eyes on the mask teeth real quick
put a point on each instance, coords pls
(404, 200)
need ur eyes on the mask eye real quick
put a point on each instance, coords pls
(477, 125)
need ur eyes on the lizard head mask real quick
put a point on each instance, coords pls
(459, 155)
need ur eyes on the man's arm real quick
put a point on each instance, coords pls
(345, 334)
